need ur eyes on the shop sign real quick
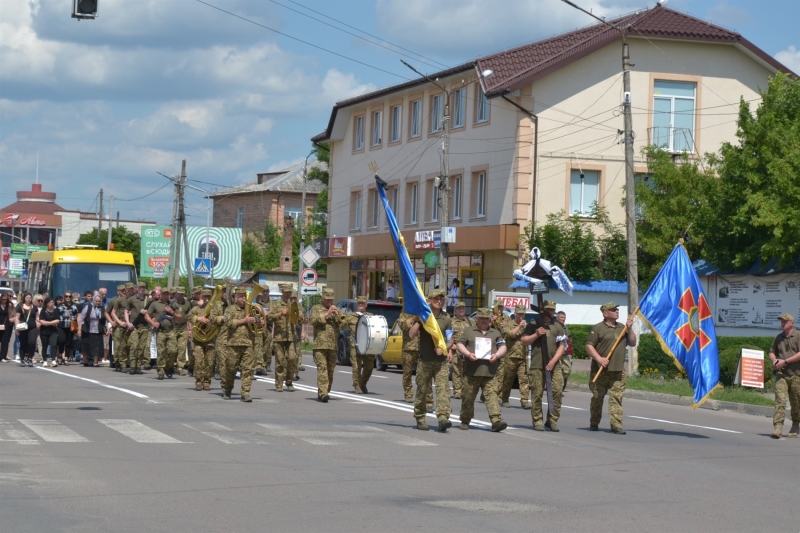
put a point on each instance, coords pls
(12, 218)
(322, 247)
(431, 259)
(155, 249)
(339, 247)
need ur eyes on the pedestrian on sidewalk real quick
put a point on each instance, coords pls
(27, 333)
(785, 357)
(48, 331)
(93, 327)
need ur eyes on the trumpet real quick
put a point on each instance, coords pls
(255, 311)
(206, 332)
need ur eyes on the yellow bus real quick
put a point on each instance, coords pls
(79, 268)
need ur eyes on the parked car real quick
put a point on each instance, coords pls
(394, 350)
(389, 310)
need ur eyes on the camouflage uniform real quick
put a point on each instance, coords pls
(457, 363)
(481, 376)
(165, 339)
(181, 333)
(787, 380)
(537, 379)
(283, 344)
(240, 350)
(222, 339)
(516, 364)
(566, 359)
(326, 332)
(612, 380)
(298, 341)
(362, 365)
(139, 339)
(120, 337)
(432, 368)
(410, 359)
(266, 347)
(203, 352)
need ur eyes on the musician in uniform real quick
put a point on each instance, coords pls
(118, 336)
(197, 292)
(240, 345)
(203, 352)
(460, 322)
(482, 374)
(516, 359)
(410, 358)
(299, 336)
(222, 337)
(612, 380)
(161, 317)
(262, 301)
(499, 319)
(554, 334)
(139, 328)
(432, 366)
(362, 365)
(283, 339)
(326, 320)
(122, 343)
(266, 337)
(181, 306)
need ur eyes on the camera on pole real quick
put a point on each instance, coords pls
(84, 9)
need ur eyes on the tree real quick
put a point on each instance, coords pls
(123, 240)
(262, 250)
(757, 198)
(318, 228)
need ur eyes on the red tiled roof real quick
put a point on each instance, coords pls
(34, 208)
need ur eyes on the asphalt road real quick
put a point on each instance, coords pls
(112, 452)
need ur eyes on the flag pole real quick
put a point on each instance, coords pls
(616, 343)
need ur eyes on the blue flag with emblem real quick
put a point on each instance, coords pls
(677, 311)
(414, 301)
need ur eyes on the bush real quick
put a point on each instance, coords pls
(580, 332)
(729, 362)
(653, 361)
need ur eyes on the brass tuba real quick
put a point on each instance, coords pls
(206, 332)
(294, 313)
(255, 311)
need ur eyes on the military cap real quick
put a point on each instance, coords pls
(121, 287)
(608, 306)
(173, 289)
(361, 299)
(497, 301)
(786, 316)
(484, 312)
(130, 285)
(461, 304)
(435, 293)
(549, 304)
(328, 293)
(239, 289)
(180, 290)
(520, 309)
(197, 288)
(286, 287)
(206, 292)
(142, 284)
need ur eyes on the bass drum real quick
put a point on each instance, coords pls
(372, 335)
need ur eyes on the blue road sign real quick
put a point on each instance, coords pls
(24, 275)
(202, 266)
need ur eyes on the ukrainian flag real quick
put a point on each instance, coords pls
(414, 301)
(676, 309)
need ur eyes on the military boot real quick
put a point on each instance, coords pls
(226, 395)
(794, 430)
(778, 433)
(552, 426)
(444, 424)
(538, 427)
(618, 431)
(358, 390)
(422, 426)
(499, 426)
(526, 405)
(506, 404)
(246, 398)
(464, 426)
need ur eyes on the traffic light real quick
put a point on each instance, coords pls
(84, 9)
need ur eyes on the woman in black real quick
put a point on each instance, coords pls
(93, 327)
(27, 313)
(48, 331)
(69, 312)
(8, 317)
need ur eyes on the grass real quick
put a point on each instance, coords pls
(682, 388)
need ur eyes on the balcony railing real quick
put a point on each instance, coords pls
(675, 140)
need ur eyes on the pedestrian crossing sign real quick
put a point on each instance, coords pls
(202, 266)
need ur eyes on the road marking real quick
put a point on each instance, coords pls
(106, 385)
(88, 402)
(135, 430)
(20, 436)
(681, 424)
(562, 405)
(223, 434)
(332, 438)
(53, 431)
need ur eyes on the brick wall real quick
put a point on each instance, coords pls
(258, 207)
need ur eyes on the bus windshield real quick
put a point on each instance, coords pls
(89, 277)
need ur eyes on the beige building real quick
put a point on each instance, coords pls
(686, 83)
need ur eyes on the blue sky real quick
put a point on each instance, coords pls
(110, 102)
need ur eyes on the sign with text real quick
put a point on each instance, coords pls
(751, 368)
(511, 299)
(427, 240)
(224, 249)
(339, 247)
(755, 301)
(154, 251)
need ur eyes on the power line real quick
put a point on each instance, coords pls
(141, 197)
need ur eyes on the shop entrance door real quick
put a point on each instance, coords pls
(471, 284)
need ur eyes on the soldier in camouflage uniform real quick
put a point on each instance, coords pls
(161, 317)
(785, 357)
(326, 320)
(460, 322)
(197, 292)
(262, 300)
(239, 345)
(612, 380)
(120, 339)
(554, 335)
(283, 340)
(203, 352)
(516, 359)
(361, 365)
(499, 320)
(432, 367)
(299, 337)
(410, 358)
(182, 307)
(222, 338)
(482, 374)
(139, 339)
(566, 360)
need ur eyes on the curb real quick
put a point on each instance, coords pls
(714, 405)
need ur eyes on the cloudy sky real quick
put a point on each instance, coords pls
(110, 102)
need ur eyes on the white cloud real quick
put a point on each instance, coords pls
(338, 86)
(790, 57)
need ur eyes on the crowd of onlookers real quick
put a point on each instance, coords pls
(53, 331)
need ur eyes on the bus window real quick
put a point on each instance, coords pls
(90, 276)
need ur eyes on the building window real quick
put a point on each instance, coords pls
(434, 202)
(459, 107)
(393, 202)
(673, 115)
(377, 123)
(374, 209)
(482, 106)
(416, 119)
(437, 112)
(355, 210)
(584, 187)
(396, 118)
(457, 187)
(480, 195)
(240, 217)
(412, 202)
(293, 212)
(359, 133)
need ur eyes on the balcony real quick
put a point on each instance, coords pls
(675, 140)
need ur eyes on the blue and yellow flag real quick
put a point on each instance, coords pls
(414, 301)
(677, 311)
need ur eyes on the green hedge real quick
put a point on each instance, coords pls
(580, 332)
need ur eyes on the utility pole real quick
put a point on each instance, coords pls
(110, 210)
(630, 192)
(100, 215)
(302, 230)
(182, 219)
(173, 249)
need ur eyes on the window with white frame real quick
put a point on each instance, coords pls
(397, 122)
(434, 201)
(240, 217)
(416, 119)
(481, 106)
(673, 115)
(480, 195)
(457, 188)
(393, 199)
(459, 107)
(377, 124)
(584, 187)
(374, 199)
(412, 202)
(437, 112)
(293, 212)
(358, 142)
(355, 210)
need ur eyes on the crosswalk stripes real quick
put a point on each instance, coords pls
(224, 434)
(52, 431)
(11, 433)
(135, 430)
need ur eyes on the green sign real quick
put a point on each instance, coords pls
(18, 255)
(154, 258)
(431, 259)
